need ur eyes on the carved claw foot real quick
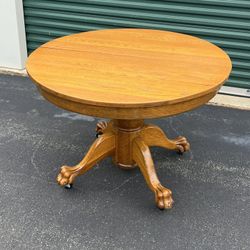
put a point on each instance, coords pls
(163, 197)
(142, 156)
(154, 136)
(100, 127)
(182, 144)
(102, 147)
(66, 176)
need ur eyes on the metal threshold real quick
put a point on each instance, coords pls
(226, 90)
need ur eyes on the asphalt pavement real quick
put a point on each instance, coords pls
(109, 208)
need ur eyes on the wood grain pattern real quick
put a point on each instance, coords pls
(127, 142)
(153, 136)
(101, 148)
(124, 112)
(128, 68)
(126, 131)
(128, 75)
(142, 156)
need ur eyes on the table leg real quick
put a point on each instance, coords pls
(102, 147)
(142, 156)
(153, 136)
(128, 141)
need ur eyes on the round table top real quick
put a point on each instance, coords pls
(129, 68)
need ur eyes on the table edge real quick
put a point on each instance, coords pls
(125, 113)
(130, 105)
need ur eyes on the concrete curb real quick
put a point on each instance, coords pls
(231, 101)
(9, 71)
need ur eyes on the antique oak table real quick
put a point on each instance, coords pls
(128, 75)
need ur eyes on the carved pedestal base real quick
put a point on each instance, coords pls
(128, 142)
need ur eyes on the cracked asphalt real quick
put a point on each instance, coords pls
(110, 208)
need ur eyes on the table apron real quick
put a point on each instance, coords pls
(125, 112)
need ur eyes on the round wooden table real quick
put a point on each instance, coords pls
(128, 75)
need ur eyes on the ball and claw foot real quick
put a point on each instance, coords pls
(65, 177)
(100, 127)
(163, 197)
(182, 144)
(101, 148)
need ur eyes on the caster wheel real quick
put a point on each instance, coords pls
(68, 186)
(97, 135)
(179, 152)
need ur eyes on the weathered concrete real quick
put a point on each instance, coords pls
(231, 101)
(113, 209)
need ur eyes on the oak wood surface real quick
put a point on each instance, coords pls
(128, 75)
(142, 156)
(127, 142)
(102, 147)
(128, 69)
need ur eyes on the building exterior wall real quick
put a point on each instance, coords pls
(13, 51)
(224, 23)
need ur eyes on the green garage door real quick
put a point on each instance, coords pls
(225, 23)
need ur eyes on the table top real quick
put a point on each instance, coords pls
(128, 68)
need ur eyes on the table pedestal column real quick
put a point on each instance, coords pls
(128, 142)
(126, 131)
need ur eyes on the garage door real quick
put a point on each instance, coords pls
(225, 23)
